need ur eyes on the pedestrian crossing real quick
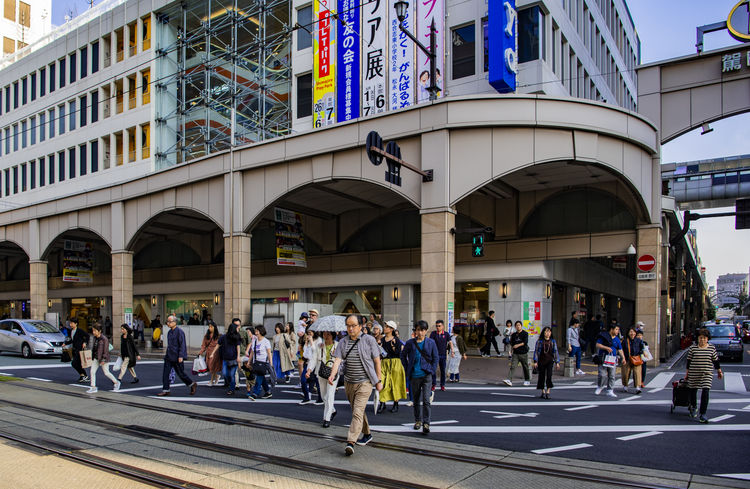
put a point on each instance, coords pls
(732, 382)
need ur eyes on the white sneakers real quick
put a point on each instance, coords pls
(508, 382)
(117, 386)
(611, 393)
(92, 390)
(526, 382)
(598, 390)
(580, 372)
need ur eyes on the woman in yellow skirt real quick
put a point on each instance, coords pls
(394, 377)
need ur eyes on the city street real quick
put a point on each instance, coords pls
(630, 430)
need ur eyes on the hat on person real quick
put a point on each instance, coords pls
(391, 324)
(640, 324)
(314, 311)
(304, 315)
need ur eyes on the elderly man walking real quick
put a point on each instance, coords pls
(360, 355)
(174, 358)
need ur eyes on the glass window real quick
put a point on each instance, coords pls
(84, 61)
(32, 175)
(304, 18)
(72, 115)
(486, 43)
(24, 91)
(15, 137)
(24, 127)
(51, 168)
(42, 82)
(304, 95)
(71, 162)
(82, 160)
(94, 106)
(10, 10)
(61, 79)
(72, 67)
(32, 131)
(23, 177)
(7, 98)
(61, 119)
(83, 111)
(15, 179)
(7, 182)
(7, 140)
(24, 14)
(529, 34)
(42, 183)
(33, 87)
(51, 123)
(52, 78)
(15, 95)
(463, 41)
(61, 166)
(94, 156)
(9, 45)
(94, 57)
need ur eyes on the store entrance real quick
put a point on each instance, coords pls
(86, 309)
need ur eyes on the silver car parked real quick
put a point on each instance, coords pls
(30, 337)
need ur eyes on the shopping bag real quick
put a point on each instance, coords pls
(85, 358)
(118, 365)
(66, 357)
(199, 365)
(646, 355)
(610, 361)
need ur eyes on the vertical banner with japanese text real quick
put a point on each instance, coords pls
(427, 11)
(347, 84)
(290, 241)
(374, 56)
(401, 70)
(324, 65)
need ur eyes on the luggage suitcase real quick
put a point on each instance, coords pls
(680, 394)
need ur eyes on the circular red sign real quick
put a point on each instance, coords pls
(646, 263)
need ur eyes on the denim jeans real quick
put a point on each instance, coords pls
(420, 392)
(606, 377)
(260, 382)
(228, 372)
(575, 351)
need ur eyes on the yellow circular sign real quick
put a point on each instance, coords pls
(738, 22)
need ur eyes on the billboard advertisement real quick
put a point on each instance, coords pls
(290, 241)
(324, 64)
(347, 83)
(78, 262)
(503, 48)
(401, 58)
(427, 12)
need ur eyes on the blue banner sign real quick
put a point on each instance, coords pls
(347, 86)
(503, 45)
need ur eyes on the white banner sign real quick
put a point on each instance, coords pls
(401, 73)
(374, 57)
(427, 11)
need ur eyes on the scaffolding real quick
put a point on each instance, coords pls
(223, 76)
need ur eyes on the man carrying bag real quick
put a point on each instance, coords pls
(78, 340)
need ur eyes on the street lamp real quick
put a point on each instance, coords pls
(401, 7)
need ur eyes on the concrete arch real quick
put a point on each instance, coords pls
(18, 234)
(205, 197)
(131, 239)
(49, 242)
(97, 220)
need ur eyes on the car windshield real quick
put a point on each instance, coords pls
(39, 327)
(721, 331)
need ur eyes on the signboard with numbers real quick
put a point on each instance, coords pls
(374, 57)
(347, 84)
(401, 60)
(324, 64)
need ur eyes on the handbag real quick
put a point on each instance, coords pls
(636, 360)
(118, 364)
(324, 371)
(199, 365)
(85, 358)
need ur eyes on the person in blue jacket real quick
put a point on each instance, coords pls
(420, 354)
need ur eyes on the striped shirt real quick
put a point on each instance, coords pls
(355, 371)
(701, 363)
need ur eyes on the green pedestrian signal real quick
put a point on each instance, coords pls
(477, 245)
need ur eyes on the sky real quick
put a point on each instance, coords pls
(722, 248)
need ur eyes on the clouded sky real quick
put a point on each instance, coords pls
(667, 30)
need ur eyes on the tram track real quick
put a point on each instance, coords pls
(359, 477)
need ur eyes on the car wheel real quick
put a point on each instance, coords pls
(26, 350)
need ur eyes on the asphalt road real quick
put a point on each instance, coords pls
(630, 430)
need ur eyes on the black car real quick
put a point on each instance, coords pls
(725, 337)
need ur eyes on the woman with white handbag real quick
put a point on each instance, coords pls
(128, 355)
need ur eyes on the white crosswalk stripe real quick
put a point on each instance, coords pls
(733, 382)
(661, 380)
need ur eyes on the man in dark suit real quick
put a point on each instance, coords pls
(78, 339)
(490, 334)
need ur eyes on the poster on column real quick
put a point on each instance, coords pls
(374, 55)
(450, 317)
(532, 317)
(347, 84)
(290, 241)
(78, 262)
(401, 71)
(427, 12)
(324, 64)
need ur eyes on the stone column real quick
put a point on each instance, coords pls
(237, 278)
(38, 288)
(438, 264)
(648, 292)
(122, 289)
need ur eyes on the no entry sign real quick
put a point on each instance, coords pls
(646, 263)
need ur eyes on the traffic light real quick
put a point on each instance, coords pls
(477, 245)
(742, 219)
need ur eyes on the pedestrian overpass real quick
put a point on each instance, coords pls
(705, 184)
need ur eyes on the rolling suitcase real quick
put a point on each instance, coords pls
(680, 394)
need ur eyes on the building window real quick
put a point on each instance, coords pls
(24, 14)
(463, 41)
(15, 137)
(51, 168)
(7, 182)
(304, 95)
(71, 162)
(33, 87)
(15, 95)
(24, 91)
(94, 57)
(94, 156)
(61, 119)
(7, 140)
(23, 134)
(83, 111)
(94, 106)
(7, 99)
(10, 11)
(82, 159)
(146, 33)
(51, 123)
(61, 166)
(9, 45)
(24, 182)
(61, 80)
(32, 175)
(84, 61)
(42, 126)
(52, 78)
(530, 34)
(32, 132)
(42, 82)
(72, 115)
(15, 179)
(486, 44)
(42, 183)
(72, 67)
(304, 18)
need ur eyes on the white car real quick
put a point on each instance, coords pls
(30, 337)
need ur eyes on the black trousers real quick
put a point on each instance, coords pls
(545, 375)
(76, 363)
(441, 364)
(179, 369)
(491, 341)
(704, 399)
